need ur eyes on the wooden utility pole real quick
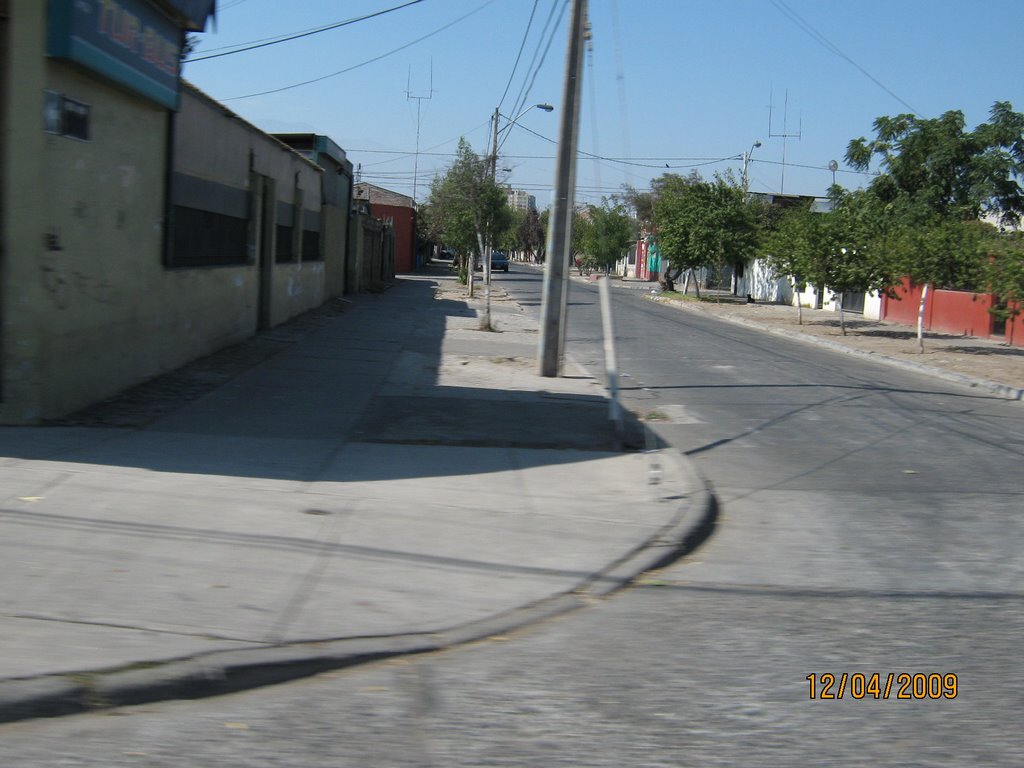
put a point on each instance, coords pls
(555, 297)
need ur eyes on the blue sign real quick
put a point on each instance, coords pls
(128, 41)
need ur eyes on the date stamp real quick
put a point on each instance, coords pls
(893, 685)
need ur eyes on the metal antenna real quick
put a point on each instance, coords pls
(419, 103)
(785, 132)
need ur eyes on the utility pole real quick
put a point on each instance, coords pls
(494, 143)
(492, 169)
(555, 296)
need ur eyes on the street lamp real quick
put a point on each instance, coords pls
(511, 121)
(746, 165)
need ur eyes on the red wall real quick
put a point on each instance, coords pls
(641, 260)
(958, 312)
(405, 234)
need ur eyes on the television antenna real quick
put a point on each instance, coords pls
(785, 135)
(419, 103)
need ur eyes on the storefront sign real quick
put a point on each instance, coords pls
(128, 41)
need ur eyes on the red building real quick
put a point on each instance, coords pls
(401, 211)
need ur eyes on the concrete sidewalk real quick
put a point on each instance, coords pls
(386, 480)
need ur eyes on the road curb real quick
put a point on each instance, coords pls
(1014, 394)
(221, 672)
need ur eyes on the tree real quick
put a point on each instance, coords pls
(607, 234)
(703, 223)
(937, 180)
(841, 249)
(1004, 273)
(529, 234)
(467, 208)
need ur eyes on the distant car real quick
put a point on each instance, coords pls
(499, 262)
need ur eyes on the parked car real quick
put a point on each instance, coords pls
(499, 262)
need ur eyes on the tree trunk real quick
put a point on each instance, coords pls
(920, 319)
(842, 320)
(696, 283)
(799, 304)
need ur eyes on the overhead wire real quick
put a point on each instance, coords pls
(522, 45)
(307, 33)
(831, 47)
(524, 89)
(400, 48)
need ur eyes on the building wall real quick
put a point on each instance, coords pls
(91, 301)
(404, 221)
(21, 280)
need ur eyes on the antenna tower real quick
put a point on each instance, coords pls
(419, 103)
(785, 135)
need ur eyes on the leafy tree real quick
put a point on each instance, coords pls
(841, 249)
(1004, 273)
(703, 223)
(466, 207)
(793, 248)
(529, 234)
(509, 241)
(936, 178)
(642, 204)
(608, 232)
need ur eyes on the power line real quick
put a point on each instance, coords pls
(523, 92)
(519, 55)
(307, 33)
(828, 45)
(368, 61)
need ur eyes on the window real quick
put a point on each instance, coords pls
(284, 244)
(310, 245)
(205, 238)
(66, 117)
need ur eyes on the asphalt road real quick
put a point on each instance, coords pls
(870, 523)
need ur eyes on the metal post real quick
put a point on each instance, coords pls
(554, 300)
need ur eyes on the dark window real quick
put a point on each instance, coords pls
(65, 117)
(310, 245)
(284, 244)
(204, 238)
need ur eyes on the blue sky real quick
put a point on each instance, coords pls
(669, 82)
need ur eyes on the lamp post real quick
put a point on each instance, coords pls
(511, 122)
(746, 165)
(494, 163)
(486, 247)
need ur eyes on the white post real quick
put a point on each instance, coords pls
(610, 365)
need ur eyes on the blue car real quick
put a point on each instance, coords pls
(499, 262)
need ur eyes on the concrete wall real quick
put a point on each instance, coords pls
(23, 197)
(89, 302)
(83, 272)
(221, 151)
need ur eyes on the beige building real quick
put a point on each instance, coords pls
(142, 224)
(521, 200)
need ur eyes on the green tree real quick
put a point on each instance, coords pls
(608, 233)
(937, 180)
(703, 223)
(1004, 273)
(467, 208)
(841, 249)
(532, 234)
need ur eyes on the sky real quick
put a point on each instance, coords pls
(669, 86)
